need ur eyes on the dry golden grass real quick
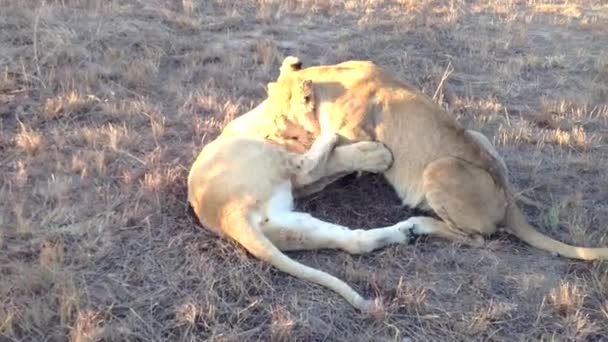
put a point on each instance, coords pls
(105, 103)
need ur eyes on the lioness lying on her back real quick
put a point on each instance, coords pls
(241, 187)
(438, 164)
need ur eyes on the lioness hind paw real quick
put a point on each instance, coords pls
(411, 234)
(477, 241)
(407, 230)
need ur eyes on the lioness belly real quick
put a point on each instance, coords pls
(407, 184)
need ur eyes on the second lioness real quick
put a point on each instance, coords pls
(439, 165)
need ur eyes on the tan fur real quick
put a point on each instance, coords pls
(240, 187)
(438, 164)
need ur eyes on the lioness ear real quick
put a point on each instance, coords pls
(290, 63)
(306, 90)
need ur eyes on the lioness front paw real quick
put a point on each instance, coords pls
(374, 157)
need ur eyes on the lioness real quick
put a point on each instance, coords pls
(438, 164)
(241, 187)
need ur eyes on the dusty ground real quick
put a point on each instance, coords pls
(104, 104)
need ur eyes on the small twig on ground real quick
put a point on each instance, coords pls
(448, 70)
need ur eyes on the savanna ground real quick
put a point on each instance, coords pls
(104, 105)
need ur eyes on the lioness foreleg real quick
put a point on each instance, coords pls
(310, 166)
(369, 156)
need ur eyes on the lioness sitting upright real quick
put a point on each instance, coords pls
(241, 187)
(438, 164)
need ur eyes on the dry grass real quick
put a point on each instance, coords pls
(104, 104)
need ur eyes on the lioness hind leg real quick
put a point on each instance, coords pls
(291, 231)
(464, 196)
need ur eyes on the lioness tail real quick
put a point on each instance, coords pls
(518, 225)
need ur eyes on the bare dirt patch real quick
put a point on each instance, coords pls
(104, 105)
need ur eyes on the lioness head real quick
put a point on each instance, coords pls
(292, 103)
